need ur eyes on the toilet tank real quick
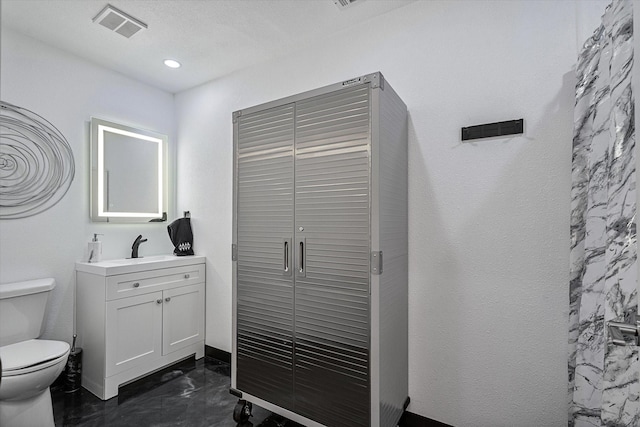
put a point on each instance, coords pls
(22, 309)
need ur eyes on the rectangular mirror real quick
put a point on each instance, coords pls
(128, 173)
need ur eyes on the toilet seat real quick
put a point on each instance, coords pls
(31, 355)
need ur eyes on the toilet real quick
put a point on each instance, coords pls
(29, 365)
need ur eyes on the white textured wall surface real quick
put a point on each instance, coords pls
(67, 91)
(488, 220)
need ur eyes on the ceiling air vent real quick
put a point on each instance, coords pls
(343, 4)
(118, 21)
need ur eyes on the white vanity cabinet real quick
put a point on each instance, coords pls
(137, 316)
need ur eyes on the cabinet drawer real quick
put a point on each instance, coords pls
(126, 285)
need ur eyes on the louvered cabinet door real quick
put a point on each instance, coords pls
(332, 258)
(264, 311)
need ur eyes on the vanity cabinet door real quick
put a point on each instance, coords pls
(133, 332)
(183, 317)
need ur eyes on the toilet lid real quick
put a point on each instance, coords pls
(30, 353)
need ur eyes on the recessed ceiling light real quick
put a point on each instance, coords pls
(172, 63)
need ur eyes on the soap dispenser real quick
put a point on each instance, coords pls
(94, 249)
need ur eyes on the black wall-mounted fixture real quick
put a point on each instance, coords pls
(510, 127)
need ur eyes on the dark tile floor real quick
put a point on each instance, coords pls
(190, 394)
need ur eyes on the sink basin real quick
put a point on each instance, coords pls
(141, 260)
(132, 265)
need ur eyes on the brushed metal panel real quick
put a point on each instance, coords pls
(392, 324)
(332, 174)
(304, 340)
(264, 293)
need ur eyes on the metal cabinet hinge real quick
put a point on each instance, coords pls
(376, 79)
(234, 252)
(627, 332)
(376, 262)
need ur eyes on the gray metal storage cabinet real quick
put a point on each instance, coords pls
(320, 255)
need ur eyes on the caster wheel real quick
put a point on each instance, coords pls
(242, 411)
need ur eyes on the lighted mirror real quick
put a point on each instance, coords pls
(128, 173)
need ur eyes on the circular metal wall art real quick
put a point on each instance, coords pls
(36, 163)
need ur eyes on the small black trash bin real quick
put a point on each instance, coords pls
(73, 370)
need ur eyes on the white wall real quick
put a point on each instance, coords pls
(488, 220)
(67, 91)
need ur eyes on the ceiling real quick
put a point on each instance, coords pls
(211, 38)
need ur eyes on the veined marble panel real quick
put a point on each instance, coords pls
(603, 378)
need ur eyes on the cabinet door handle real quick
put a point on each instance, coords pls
(301, 258)
(167, 299)
(159, 301)
(286, 259)
(286, 256)
(302, 255)
(135, 285)
(186, 276)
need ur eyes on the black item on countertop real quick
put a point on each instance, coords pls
(181, 236)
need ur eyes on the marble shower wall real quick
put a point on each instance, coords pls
(603, 378)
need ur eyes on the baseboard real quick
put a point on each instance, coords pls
(409, 419)
(218, 354)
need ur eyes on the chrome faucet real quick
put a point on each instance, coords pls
(136, 244)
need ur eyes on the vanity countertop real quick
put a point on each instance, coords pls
(133, 265)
